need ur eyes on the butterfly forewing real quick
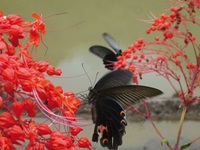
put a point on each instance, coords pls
(129, 94)
(108, 56)
(101, 51)
(110, 40)
(113, 79)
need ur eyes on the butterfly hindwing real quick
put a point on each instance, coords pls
(109, 123)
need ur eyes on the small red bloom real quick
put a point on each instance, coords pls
(14, 19)
(69, 93)
(43, 129)
(74, 130)
(6, 120)
(23, 73)
(71, 103)
(37, 27)
(42, 66)
(9, 87)
(83, 142)
(8, 74)
(35, 36)
(10, 49)
(38, 146)
(5, 143)
(58, 141)
(18, 108)
(16, 133)
(26, 85)
(30, 107)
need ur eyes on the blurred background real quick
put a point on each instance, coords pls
(69, 36)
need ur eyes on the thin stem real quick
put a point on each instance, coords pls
(158, 132)
(148, 116)
(180, 126)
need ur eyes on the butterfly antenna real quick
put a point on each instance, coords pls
(87, 74)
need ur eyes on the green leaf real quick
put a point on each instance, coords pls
(185, 146)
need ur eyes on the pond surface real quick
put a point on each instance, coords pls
(142, 136)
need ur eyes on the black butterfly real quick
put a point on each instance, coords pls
(108, 56)
(108, 97)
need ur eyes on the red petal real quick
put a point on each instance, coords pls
(6, 120)
(18, 108)
(43, 129)
(30, 107)
(35, 15)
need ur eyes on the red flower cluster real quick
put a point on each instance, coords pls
(169, 52)
(174, 55)
(25, 91)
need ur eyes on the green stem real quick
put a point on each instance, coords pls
(180, 126)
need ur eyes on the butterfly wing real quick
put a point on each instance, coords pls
(101, 51)
(129, 94)
(108, 56)
(110, 40)
(113, 79)
(109, 122)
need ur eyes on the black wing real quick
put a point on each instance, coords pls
(109, 123)
(113, 79)
(108, 56)
(101, 51)
(110, 40)
(129, 94)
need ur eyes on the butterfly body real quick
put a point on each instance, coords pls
(108, 98)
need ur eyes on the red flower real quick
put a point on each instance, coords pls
(30, 107)
(69, 93)
(18, 108)
(83, 142)
(40, 25)
(38, 146)
(74, 130)
(37, 27)
(5, 143)
(58, 141)
(43, 129)
(35, 36)
(51, 70)
(7, 120)
(42, 66)
(9, 74)
(26, 85)
(10, 49)
(14, 19)
(71, 103)
(23, 73)
(16, 133)
(9, 87)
